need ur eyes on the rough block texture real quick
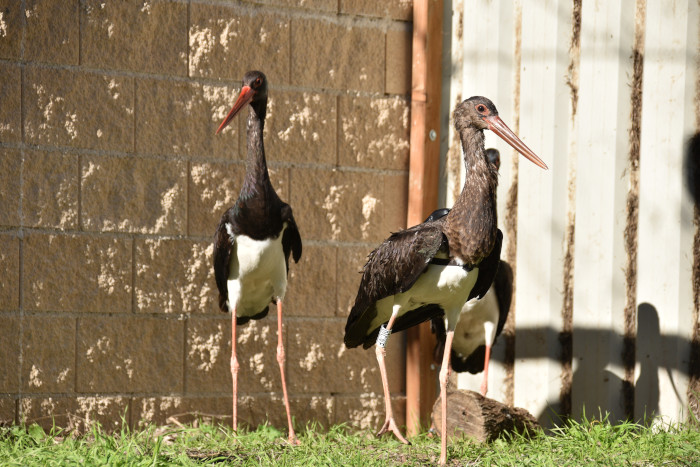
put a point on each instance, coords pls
(11, 18)
(77, 109)
(335, 56)
(10, 187)
(136, 35)
(182, 264)
(374, 132)
(175, 117)
(10, 96)
(48, 354)
(9, 354)
(129, 354)
(9, 264)
(52, 31)
(113, 182)
(100, 265)
(225, 42)
(319, 362)
(50, 189)
(134, 195)
(74, 413)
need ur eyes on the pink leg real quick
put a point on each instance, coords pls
(444, 373)
(485, 383)
(234, 369)
(389, 423)
(281, 359)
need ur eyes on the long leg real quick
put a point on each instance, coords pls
(281, 359)
(234, 369)
(444, 373)
(485, 382)
(389, 423)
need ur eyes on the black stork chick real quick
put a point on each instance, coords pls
(435, 267)
(255, 238)
(481, 320)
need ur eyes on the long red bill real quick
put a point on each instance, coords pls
(244, 98)
(501, 129)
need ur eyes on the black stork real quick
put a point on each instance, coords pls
(481, 320)
(255, 238)
(435, 267)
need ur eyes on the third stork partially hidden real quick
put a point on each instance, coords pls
(481, 320)
(255, 238)
(435, 267)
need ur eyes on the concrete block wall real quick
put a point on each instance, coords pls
(112, 183)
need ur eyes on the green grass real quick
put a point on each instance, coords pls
(589, 443)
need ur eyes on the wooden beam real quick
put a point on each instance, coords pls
(423, 191)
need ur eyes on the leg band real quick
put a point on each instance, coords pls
(383, 336)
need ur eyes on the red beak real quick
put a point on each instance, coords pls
(244, 98)
(501, 129)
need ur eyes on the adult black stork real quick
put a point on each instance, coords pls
(433, 268)
(255, 238)
(481, 320)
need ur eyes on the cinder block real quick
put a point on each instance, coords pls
(208, 356)
(165, 410)
(225, 42)
(98, 269)
(375, 132)
(396, 206)
(178, 117)
(368, 412)
(9, 264)
(11, 40)
(8, 415)
(136, 35)
(312, 283)
(328, 55)
(351, 260)
(130, 194)
(393, 9)
(11, 97)
(9, 356)
(50, 189)
(172, 276)
(398, 61)
(84, 110)
(52, 29)
(305, 410)
(75, 414)
(314, 5)
(301, 127)
(48, 354)
(338, 205)
(10, 187)
(319, 362)
(129, 354)
(215, 186)
(257, 355)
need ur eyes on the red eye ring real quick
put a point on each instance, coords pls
(481, 108)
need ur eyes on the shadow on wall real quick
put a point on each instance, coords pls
(604, 389)
(691, 167)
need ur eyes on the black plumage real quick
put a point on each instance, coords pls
(255, 238)
(433, 268)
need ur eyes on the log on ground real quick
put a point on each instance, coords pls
(473, 415)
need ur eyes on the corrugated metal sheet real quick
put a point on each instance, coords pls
(602, 243)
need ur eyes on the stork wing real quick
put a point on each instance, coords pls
(392, 268)
(223, 245)
(291, 240)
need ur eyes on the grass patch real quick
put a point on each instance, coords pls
(589, 442)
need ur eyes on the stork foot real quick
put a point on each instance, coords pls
(293, 440)
(390, 425)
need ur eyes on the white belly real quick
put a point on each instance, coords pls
(257, 274)
(446, 286)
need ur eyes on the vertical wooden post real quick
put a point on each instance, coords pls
(423, 191)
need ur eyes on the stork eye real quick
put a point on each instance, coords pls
(258, 82)
(481, 108)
